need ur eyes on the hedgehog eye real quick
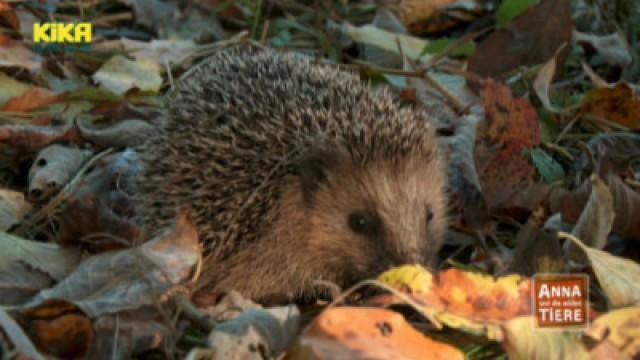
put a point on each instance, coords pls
(362, 222)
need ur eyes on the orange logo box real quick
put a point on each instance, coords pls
(560, 300)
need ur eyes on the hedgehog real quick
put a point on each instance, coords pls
(295, 173)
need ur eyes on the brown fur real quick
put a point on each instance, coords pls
(274, 157)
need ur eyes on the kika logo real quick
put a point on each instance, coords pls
(63, 36)
(561, 300)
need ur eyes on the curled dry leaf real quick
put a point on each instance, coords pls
(537, 251)
(610, 149)
(618, 104)
(510, 127)
(620, 328)
(617, 276)
(626, 204)
(58, 328)
(100, 204)
(596, 219)
(543, 80)
(120, 75)
(524, 341)
(53, 260)
(366, 333)
(256, 333)
(472, 302)
(531, 39)
(126, 133)
(52, 168)
(13, 207)
(613, 47)
(129, 279)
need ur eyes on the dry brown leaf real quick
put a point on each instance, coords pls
(32, 99)
(620, 328)
(8, 15)
(531, 39)
(20, 340)
(510, 127)
(100, 204)
(34, 138)
(58, 328)
(132, 278)
(618, 104)
(367, 333)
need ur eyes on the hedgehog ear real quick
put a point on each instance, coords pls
(312, 170)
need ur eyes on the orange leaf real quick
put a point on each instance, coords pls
(59, 328)
(368, 333)
(617, 104)
(511, 125)
(32, 99)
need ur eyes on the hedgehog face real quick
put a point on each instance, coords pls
(365, 217)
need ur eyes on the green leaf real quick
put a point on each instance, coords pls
(439, 45)
(548, 168)
(509, 9)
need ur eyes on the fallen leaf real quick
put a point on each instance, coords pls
(127, 133)
(531, 39)
(617, 276)
(524, 341)
(52, 168)
(13, 208)
(621, 328)
(367, 333)
(16, 54)
(543, 80)
(58, 328)
(20, 282)
(510, 9)
(256, 333)
(30, 100)
(550, 170)
(34, 138)
(596, 219)
(414, 11)
(20, 340)
(120, 75)
(472, 302)
(8, 15)
(129, 279)
(613, 47)
(510, 127)
(51, 259)
(411, 47)
(11, 88)
(618, 104)
(121, 335)
(537, 250)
